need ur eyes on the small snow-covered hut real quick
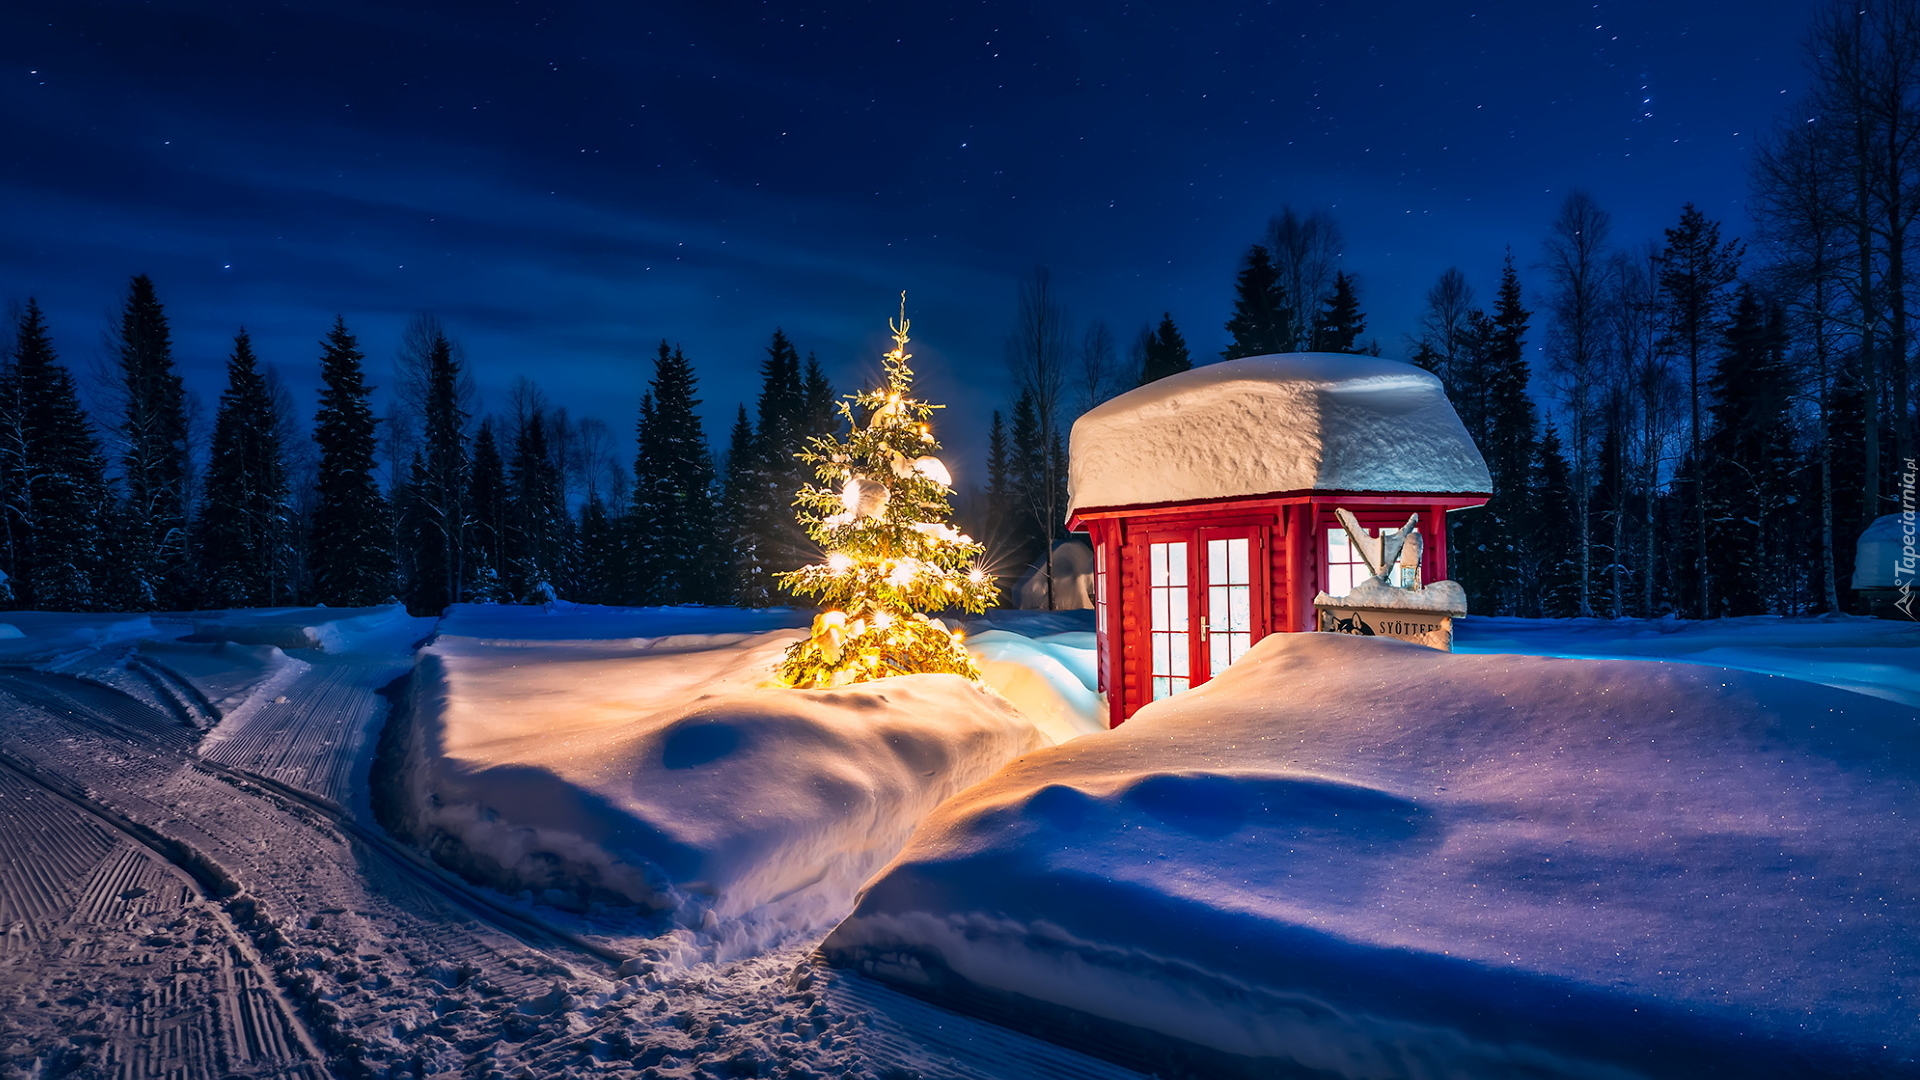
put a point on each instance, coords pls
(1885, 568)
(1210, 499)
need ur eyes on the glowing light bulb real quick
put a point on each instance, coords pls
(903, 573)
(977, 576)
(839, 562)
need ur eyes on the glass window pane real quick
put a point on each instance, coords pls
(1159, 653)
(1157, 558)
(1177, 610)
(1238, 646)
(1178, 656)
(1217, 650)
(1239, 618)
(1162, 688)
(1159, 609)
(1175, 685)
(1216, 562)
(1237, 573)
(1177, 564)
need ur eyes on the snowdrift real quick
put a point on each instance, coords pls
(1362, 858)
(382, 629)
(659, 773)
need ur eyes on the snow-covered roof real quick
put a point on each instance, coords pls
(1878, 561)
(1268, 424)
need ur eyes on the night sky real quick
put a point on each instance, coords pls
(566, 184)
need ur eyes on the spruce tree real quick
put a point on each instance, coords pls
(1748, 471)
(242, 530)
(537, 537)
(673, 493)
(1696, 270)
(596, 574)
(1166, 352)
(768, 534)
(998, 515)
(1340, 322)
(1490, 388)
(350, 552)
(818, 416)
(1260, 313)
(880, 510)
(1026, 484)
(434, 521)
(737, 497)
(150, 564)
(489, 509)
(1552, 569)
(62, 491)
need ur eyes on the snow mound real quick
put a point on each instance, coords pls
(343, 631)
(660, 773)
(1050, 680)
(8, 630)
(1269, 424)
(1374, 859)
(231, 677)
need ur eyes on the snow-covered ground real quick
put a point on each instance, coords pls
(1373, 859)
(194, 883)
(1872, 656)
(551, 752)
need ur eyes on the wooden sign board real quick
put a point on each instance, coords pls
(1430, 628)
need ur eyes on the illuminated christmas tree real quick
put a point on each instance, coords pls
(881, 513)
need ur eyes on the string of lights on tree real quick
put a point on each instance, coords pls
(881, 511)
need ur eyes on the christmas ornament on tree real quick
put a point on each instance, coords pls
(881, 513)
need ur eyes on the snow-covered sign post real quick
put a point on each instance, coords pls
(1214, 501)
(881, 513)
(1390, 603)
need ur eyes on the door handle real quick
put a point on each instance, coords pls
(1203, 628)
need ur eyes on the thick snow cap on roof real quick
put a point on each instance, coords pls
(1268, 424)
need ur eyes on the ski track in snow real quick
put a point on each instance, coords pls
(309, 738)
(321, 938)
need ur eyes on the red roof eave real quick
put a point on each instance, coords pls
(1452, 500)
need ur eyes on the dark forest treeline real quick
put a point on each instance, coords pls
(428, 505)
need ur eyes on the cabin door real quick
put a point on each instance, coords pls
(1206, 603)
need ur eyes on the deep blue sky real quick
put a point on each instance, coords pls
(566, 184)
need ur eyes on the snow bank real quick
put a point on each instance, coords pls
(1373, 859)
(383, 629)
(54, 637)
(1880, 657)
(1269, 424)
(563, 620)
(659, 772)
(231, 677)
(1050, 680)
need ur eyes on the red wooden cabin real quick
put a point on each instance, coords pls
(1209, 497)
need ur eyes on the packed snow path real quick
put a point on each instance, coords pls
(313, 736)
(198, 906)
